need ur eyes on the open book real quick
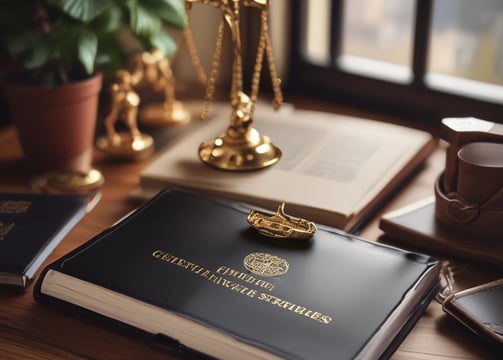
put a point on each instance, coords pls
(334, 169)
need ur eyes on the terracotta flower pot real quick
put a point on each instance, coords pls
(56, 125)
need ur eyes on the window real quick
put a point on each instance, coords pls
(426, 59)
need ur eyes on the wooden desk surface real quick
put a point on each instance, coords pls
(29, 330)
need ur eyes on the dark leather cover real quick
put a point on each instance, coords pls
(31, 233)
(416, 227)
(357, 284)
(480, 309)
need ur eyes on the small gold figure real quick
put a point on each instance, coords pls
(154, 69)
(281, 225)
(124, 106)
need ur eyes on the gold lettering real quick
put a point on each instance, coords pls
(325, 319)
(243, 290)
(276, 301)
(167, 257)
(316, 315)
(285, 304)
(226, 283)
(214, 277)
(264, 297)
(173, 259)
(5, 229)
(226, 271)
(299, 310)
(236, 287)
(246, 277)
(193, 267)
(14, 206)
(205, 273)
(264, 284)
(296, 309)
(199, 270)
(182, 263)
(291, 307)
(157, 254)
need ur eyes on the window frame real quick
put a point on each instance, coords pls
(414, 100)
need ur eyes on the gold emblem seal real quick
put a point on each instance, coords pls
(265, 264)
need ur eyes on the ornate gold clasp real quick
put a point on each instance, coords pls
(281, 225)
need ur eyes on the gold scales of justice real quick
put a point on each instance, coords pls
(241, 147)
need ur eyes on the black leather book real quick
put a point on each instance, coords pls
(416, 227)
(31, 226)
(191, 269)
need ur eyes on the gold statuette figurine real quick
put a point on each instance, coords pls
(132, 144)
(153, 69)
(241, 147)
(281, 225)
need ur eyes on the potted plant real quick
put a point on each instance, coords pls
(63, 48)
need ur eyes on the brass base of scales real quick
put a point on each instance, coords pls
(241, 146)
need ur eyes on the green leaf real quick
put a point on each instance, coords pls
(110, 56)
(85, 10)
(111, 20)
(39, 56)
(143, 21)
(164, 42)
(65, 43)
(88, 48)
(172, 12)
(22, 42)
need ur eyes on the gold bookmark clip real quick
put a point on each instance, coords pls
(281, 225)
